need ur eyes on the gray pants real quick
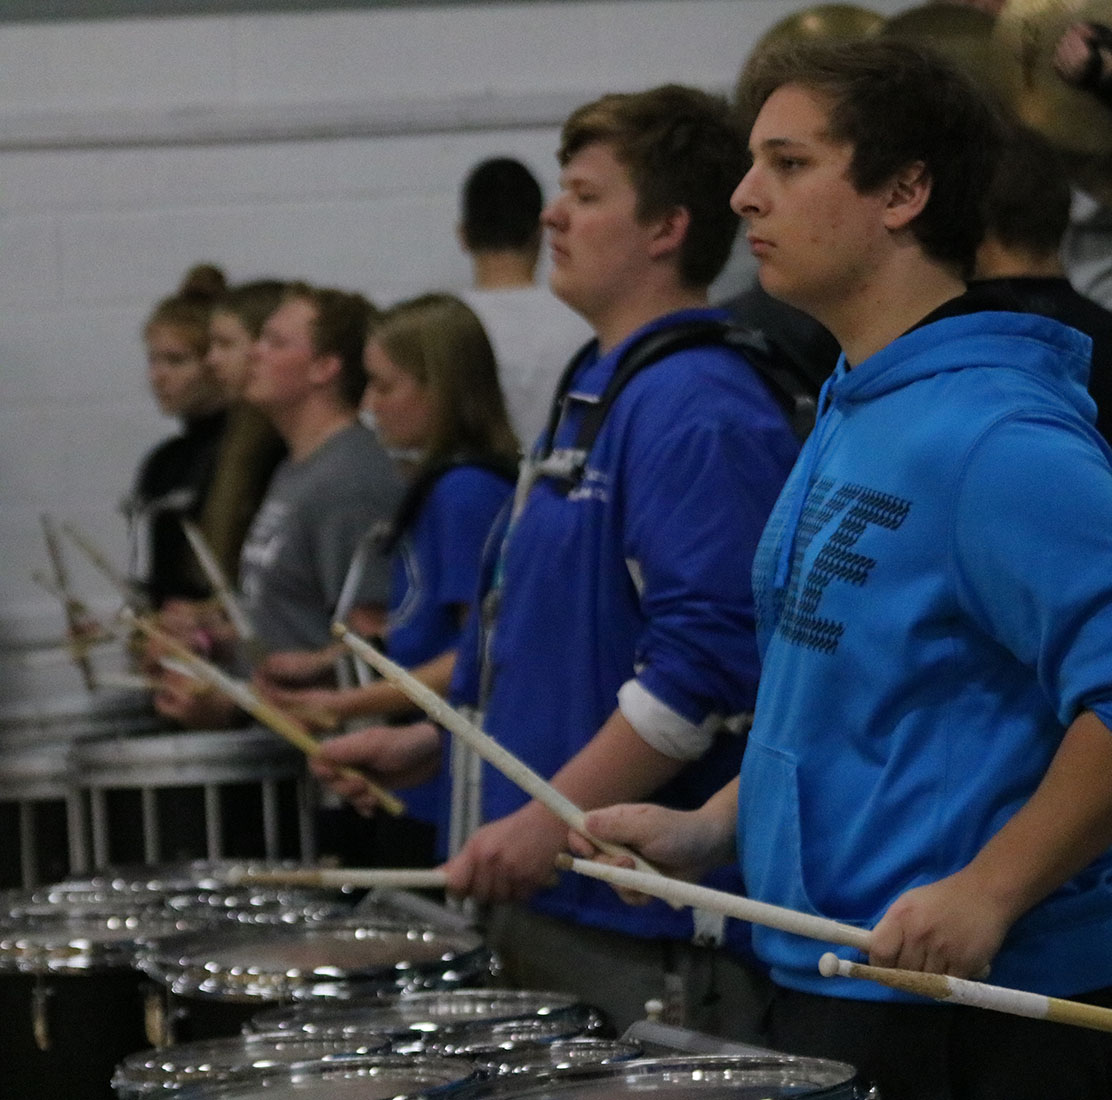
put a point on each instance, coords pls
(702, 988)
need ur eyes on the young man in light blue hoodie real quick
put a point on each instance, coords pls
(930, 756)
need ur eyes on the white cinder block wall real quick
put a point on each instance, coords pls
(326, 145)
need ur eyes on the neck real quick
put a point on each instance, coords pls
(889, 302)
(503, 269)
(621, 320)
(305, 428)
(998, 261)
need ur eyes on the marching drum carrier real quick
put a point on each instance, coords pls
(208, 794)
(39, 805)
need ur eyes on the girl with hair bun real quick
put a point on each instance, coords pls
(175, 476)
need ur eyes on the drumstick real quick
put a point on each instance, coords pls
(942, 987)
(369, 878)
(489, 749)
(269, 715)
(220, 587)
(679, 892)
(74, 610)
(131, 595)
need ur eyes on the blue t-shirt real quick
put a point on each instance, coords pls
(435, 577)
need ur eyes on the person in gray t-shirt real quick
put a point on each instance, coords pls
(337, 483)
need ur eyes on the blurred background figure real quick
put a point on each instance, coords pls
(433, 390)
(250, 448)
(174, 479)
(1027, 210)
(533, 333)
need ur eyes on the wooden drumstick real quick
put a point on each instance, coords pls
(679, 892)
(132, 596)
(243, 695)
(485, 745)
(942, 987)
(368, 878)
(220, 587)
(75, 611)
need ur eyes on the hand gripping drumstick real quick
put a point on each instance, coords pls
(678, 892)
(363, 878)
(485, 745)
(268, 714)
(962, 991)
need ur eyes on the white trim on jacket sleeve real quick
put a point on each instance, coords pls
(663, 728)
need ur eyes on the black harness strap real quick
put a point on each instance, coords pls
(792, 390)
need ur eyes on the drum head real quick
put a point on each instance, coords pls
(559, 1056)
(234, 1059)
(426, 1013)
(698, 1077)
(383, 1078)
(325, 959)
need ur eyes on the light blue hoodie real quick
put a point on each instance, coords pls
(934, 607)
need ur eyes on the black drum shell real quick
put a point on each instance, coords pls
(71, 1000)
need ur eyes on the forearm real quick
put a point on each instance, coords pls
(383, 698)
(616, 765)
(1062, 828)
(956, 925)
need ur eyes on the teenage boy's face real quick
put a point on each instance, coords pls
(599, 248)
(281, 360)
(814, 235)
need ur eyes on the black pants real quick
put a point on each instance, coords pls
(947, 1052)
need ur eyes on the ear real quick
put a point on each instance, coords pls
(669, 231)
(907, 195)
(324, 369)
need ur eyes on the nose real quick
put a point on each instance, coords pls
(553, 213)
(744, 201)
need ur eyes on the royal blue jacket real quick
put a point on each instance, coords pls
(632, 589)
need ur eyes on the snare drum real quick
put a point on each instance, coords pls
(146, 1075)
(208, 794)
(213, 983)
(70, 999)
(692, 1077)
(443, 1022)
(581, 1052)
(383, 1078)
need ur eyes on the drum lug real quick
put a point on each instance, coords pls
(158, 1018)
(40, 1024)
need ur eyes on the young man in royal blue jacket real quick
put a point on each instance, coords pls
(623, 639)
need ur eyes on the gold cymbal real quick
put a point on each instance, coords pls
(960, 33)
(1023, 43)
(823, 21)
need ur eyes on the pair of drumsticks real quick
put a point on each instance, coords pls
(641, 877)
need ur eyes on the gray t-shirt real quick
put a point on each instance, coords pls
(305, 533)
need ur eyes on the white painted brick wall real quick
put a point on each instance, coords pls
(108, 193)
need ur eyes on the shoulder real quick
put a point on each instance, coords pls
(466, 484)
